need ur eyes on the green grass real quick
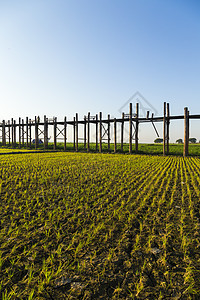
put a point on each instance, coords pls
(149, 149)
(99, 226)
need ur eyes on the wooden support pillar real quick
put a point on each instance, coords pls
(45, 132)
(12, 133)
(30, 135)
(19, 133)
(47, 136)
(130, 128)
(26, 132)
(23, 132)
(97, 132)
(88, 133)
(9, 132)
(76, 132)
(136, 128)
(36, 133)
(3, 133)
(85, 132)
(186, 132)
(164, 130)
(168, 122)
(100, 132)
(54, 133)
(115, 135)
(108, 133)
(65, 133)
(122, 133)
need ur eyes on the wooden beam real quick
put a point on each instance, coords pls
(36, 133)
(3, 134)
(97, 125)
(74, 132)
(186, 132)
(168, 122)
(108, 133)
(85, 132)
(136, 128)
(19, 133)
(88, 133)
(122, 133)
(65, 133)
(54, 133)
(22, 133)
(9, 132)
(30, 133)
(130, 128)
(115, 136)
(12, 132)
(45, 132)
(164, 130)
(100, 132)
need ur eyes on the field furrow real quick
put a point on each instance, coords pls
(93, 226)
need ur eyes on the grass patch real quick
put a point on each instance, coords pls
(92, 226)
(149, 149)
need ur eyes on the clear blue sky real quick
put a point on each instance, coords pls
(59, 57)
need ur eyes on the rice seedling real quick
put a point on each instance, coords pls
(96, 226)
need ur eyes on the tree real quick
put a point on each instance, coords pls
(179, 141)
(192, 140)
(157, 141)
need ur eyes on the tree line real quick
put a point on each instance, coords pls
(179, 141)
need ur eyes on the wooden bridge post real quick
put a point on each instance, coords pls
(168, 122)
(136, 127)
(97, 132)
(36, 133)
(45, 132)
(54, 132)
(100, 132)
(122, 133)
(130, 128)
(30, 135)
(26, 132)
(115, 135)
(186, 132)
(65, 133)
(9, 132)
(15, 142)
(108, 133)
(164, 130)
(12, 133)
(47, 135)
(23, 132)
(76, 132)
(19, 133)
(85, 132)
(88, 133)
(3, 134)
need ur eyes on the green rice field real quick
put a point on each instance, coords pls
(99, 226)
(149, 149)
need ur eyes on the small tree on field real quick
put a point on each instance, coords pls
(179, 141)
(157, 141)
(193, 140)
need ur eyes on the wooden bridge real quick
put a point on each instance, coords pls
(22, 131)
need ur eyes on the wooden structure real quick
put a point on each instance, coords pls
(28, 131)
